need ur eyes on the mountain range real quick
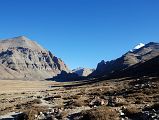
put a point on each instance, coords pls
(135, 57)
(22, 58)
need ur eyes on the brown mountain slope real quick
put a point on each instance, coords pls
(20, 41)
(28, 59)
(150, 67)
(143, 54)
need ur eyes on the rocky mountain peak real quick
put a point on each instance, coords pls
(20, 41)
(22, 58)
(23, 38)
(152, 43)
(83, 71)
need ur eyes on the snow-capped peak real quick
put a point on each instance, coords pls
(140, 45)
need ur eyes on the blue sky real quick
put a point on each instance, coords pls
(82, 32)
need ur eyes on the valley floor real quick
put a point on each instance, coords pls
(125, 98)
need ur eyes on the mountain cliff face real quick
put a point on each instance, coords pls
(83, 71)
(140, 55)
(21, 58)
(150, 67)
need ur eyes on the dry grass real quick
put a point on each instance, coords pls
(24, 96)
(37, 101)
(101, 113)
(30, 114)
(12, 86)
(154, 106)
(72, 97)
(131, 111)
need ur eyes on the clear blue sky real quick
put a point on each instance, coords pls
(82, 32)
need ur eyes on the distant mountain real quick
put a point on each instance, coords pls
(83, 71)
(140, 55)
(67, 77)
(74, 75)
(21, 58)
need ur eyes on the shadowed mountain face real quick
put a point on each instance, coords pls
(150, 67)
(67, 77)
(140, 55)
(21, 58)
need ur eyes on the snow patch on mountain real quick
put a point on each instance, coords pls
(140, 45)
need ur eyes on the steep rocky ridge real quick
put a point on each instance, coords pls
(140, 55)
(21, 58)
(150, 67)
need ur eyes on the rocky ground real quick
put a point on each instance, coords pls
(126, 98)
